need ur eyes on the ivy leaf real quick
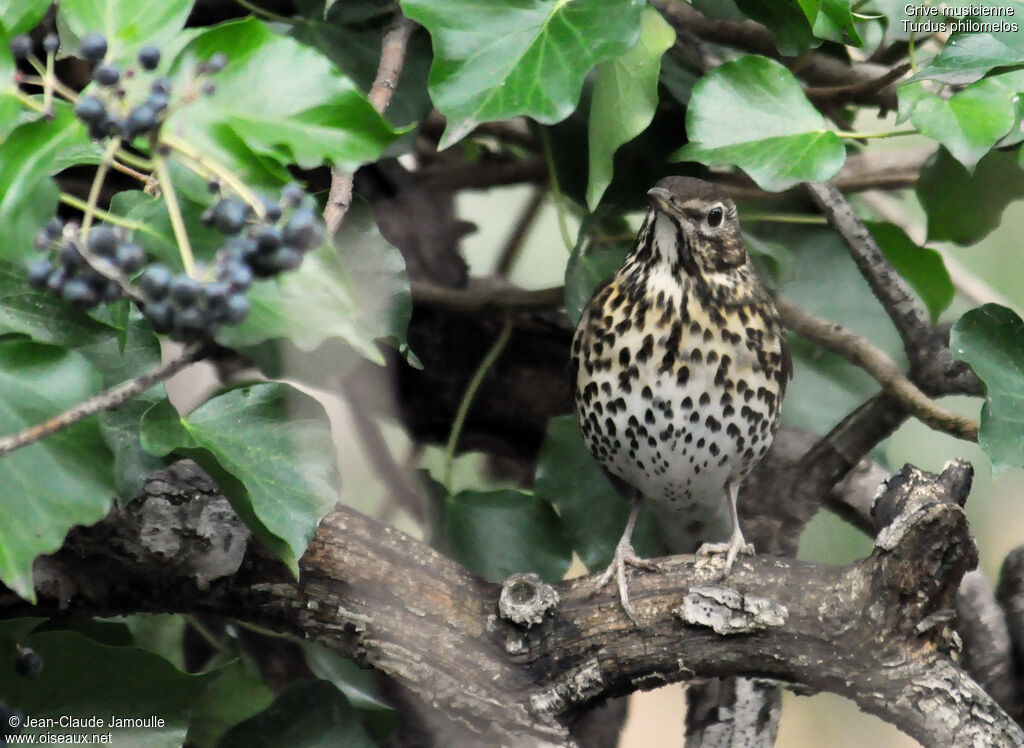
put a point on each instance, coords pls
(497, 533)
(625, 97)
(970, 121)
(30, 155)
(493, 61)
(237, 693)
(36, 383)
(269, 449)
(991, 339)
(327, 719)
(590, 510)
(126, 24)
(832, 20)
(278, 99)
(922, 267)
(965, 207)
(22, 16)
(82, 678)
(969, 56)
(786, 22)
(752, 113)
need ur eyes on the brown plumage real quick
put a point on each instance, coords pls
(679, 366)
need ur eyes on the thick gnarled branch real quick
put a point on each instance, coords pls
(873, 631)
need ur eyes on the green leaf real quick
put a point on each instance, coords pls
(991, 339)
(237, 693)
(922, 267)
(31, 154)
(306, 714)
(269, 449)
(81, 678)
(969, 122)
(127, 24)
(963, 207)
(832, 20)
(493, 61)
(21, 16)
(624, 100)
(497, 533)
(359, 685)
(120, 427)
(589, 264)
(282, 100)
(47, 487)
(591, 512)
(786, 22)
(752, 113)
(357, 293)
(968, 56)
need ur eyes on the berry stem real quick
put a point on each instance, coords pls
(163, 174)
(49, 79)
(82, 205)
(467, 398)
(850, 135)
(266, 14)
(207, 167)
(97, 185)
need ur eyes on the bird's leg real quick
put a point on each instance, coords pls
(736, 544)
(625, 554)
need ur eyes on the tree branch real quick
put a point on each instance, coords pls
(872, 631)
(861, 352)
(392, 60)
(932, 365)
(106, 400)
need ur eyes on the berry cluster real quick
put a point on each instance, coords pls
(66, 272)
(102, 117)
(189, 309)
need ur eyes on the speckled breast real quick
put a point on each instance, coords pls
(674, 397)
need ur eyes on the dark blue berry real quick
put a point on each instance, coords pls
(130, 258)
(106, 75)
(29, 663)
(39, 272)
(109, 290)
(215, 296)
(102, 241)
(90, 109)
(184, 291)
(51, 43)
(292, 195)
(79, 292)
(161, 86)
(160, 316)
(155, 282)
(236, 274)
(271, 209)
(56, 281)
(303, 230)
(54, 227)
(229, 215)
(69, 255)
(21, 46)
(267, 238)
(149, 57)
(140, 120)
(285, 258)
(216, 63)
(157, 102)
(190, 320)
(236, 309)
(94, 46)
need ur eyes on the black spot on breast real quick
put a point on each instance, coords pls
(646, 350)
(687, 403)
(624, 356)
(705, 399)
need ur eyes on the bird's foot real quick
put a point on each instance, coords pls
(707, 553)
(624, 554)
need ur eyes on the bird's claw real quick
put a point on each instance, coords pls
(708, 551)
(624, 554)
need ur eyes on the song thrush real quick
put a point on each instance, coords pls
(679, 366)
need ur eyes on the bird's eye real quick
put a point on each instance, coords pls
(715, 216)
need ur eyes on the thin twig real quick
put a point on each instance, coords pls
(514, 243)
(174, 213)
(478, 299)
(106, 400)
(392, 60)
(467, 398)
(850, 90)
(862, 352)
(920, 341)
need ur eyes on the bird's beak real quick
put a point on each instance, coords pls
(661, 199)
